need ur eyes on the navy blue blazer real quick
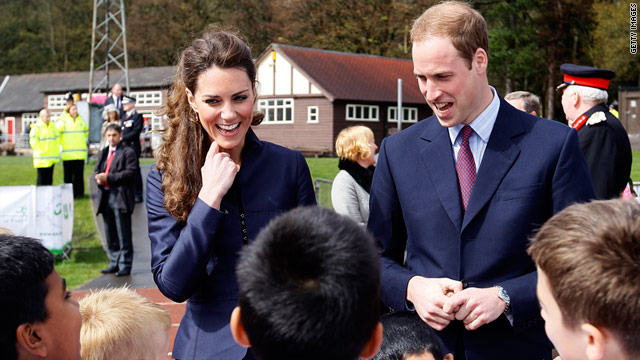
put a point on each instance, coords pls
(531, 169)
(196, 260)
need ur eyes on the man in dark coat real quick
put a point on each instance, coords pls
(603, 139)
(115, 98)
(115, 174)
(132, 124)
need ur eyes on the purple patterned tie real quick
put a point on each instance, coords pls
(465, 167)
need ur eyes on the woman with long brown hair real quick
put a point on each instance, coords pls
(215, 186)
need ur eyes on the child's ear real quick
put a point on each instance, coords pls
(595, 341)
(449, 356)
(237, 330)
(372, 347)
(29, 340)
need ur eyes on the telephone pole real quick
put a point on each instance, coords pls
(108, 46)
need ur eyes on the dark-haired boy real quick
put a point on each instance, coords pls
(407, 337)
(309, 289)
(588, 260)
(39, 319)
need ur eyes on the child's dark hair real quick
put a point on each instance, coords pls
(310, 287)
(25, 265)
(406, 334)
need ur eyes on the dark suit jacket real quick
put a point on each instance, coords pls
(608, 152)
(131, 127)
(109, 100)
(121, 177)
(196, 260)
(531, 169)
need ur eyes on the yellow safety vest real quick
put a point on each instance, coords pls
(73, 137)
(44, 141)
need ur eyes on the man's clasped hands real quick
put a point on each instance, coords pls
(439, 301)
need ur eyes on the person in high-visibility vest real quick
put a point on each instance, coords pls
(45, 142)
(74, 134)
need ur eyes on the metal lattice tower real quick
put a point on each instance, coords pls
(108, 45)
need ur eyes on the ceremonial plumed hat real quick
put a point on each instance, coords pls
(585, 76)
(128, 99)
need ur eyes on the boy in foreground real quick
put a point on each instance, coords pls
(39, 318)
(309, 289)
(588, 260)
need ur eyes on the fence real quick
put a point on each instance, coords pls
(323, 192)
(20, 141)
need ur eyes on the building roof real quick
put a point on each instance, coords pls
(23, 93)
(348, 76)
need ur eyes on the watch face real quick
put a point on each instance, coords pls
(503, 293)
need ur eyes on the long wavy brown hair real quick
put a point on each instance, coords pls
(185, 142)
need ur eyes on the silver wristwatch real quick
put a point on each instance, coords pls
(502, 294)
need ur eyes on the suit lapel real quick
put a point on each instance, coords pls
(437, 157)
(499, 156)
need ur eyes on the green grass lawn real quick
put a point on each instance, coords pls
(323, 168)
(635, 166)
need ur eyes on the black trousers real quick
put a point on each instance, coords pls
(117, 229)
(73, 174)
(45, 176)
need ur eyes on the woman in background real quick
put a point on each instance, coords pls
(109, 116)
(356, 148)
(215, 187)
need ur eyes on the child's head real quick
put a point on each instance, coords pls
(588, 259)
(407, 337)
(38, 318)
(309, 289)
(121, 324)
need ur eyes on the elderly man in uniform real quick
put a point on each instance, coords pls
(603, 140)
(132, 124)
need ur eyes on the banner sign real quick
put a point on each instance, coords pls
(40, 212)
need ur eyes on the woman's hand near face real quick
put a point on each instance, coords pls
(218, 174)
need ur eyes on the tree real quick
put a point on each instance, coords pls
(610, 46)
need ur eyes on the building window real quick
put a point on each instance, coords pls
(276, 111)
(410, 114)
(56, 101)
(312, 114)
(28, 119)
(362, 112)
(147, 98)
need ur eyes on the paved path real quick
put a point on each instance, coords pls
(141, 278)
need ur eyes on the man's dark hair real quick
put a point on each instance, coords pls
(406, 334)
(115, 127)
(310, 287)
(24, 266)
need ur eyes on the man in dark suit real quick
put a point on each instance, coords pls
(132, 124)
(603, 139)
(115, 97)
(456, 196)
(115, 174)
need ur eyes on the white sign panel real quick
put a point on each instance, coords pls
(41, 212)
